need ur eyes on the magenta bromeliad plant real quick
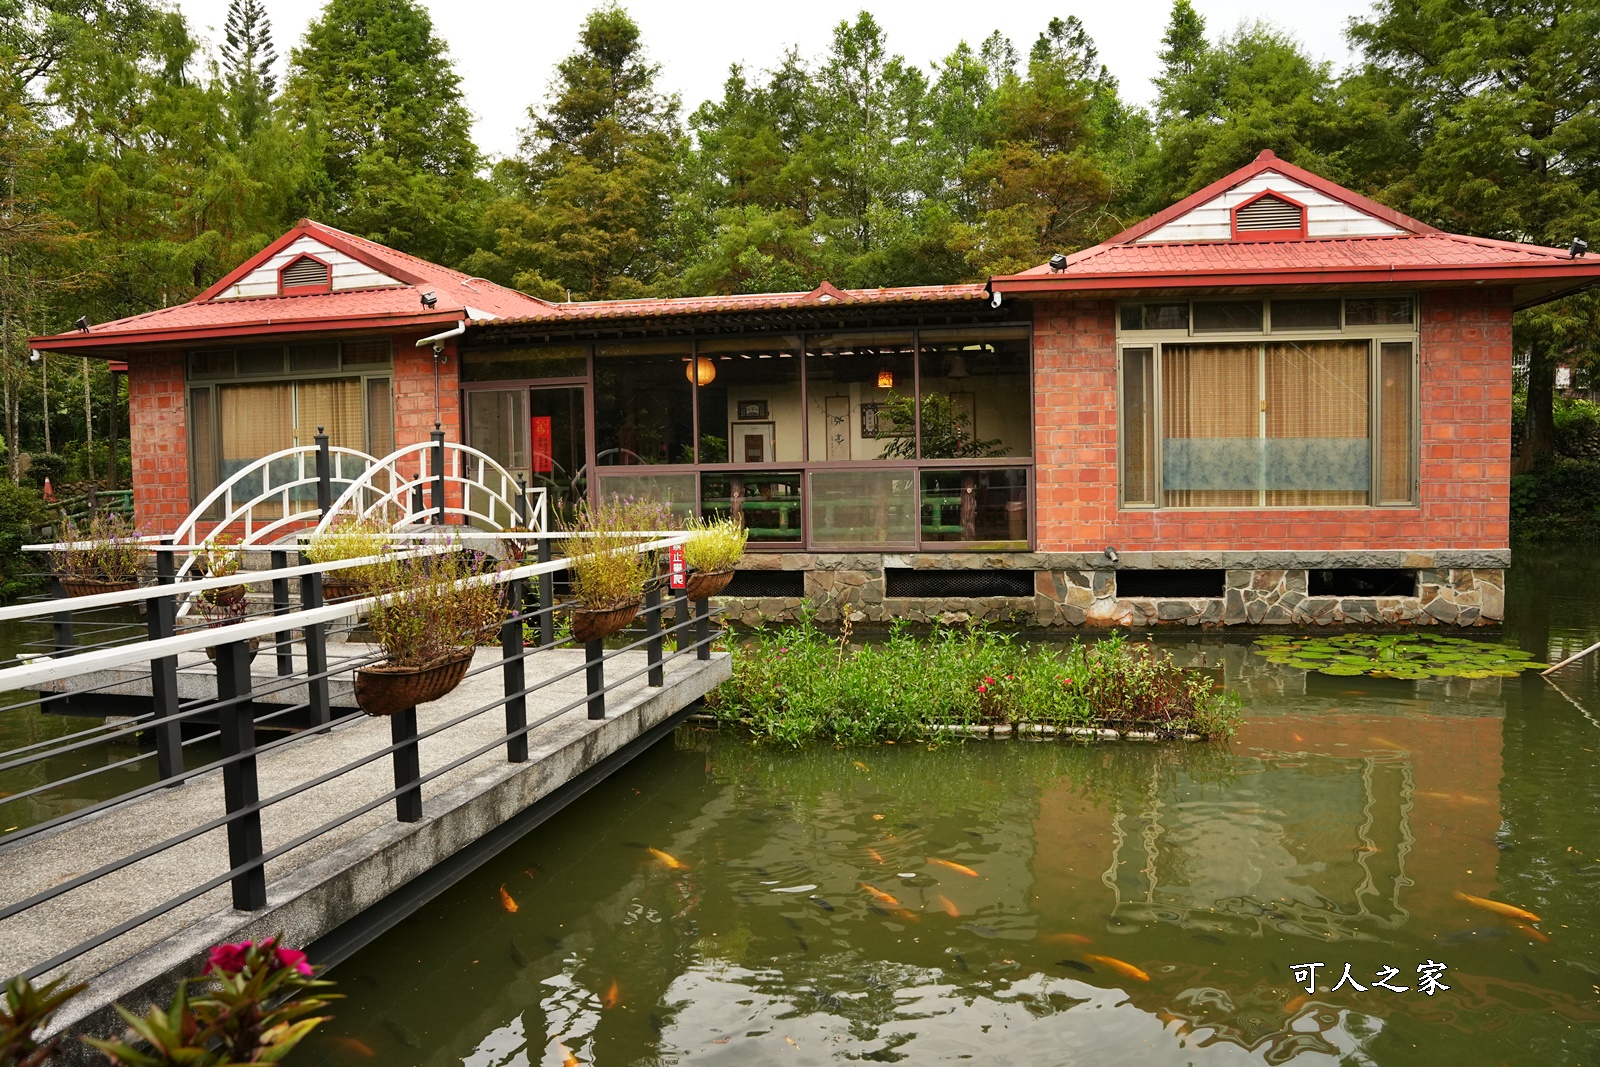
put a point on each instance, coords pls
(260, 1001)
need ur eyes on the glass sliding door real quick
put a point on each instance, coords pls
(559, 447)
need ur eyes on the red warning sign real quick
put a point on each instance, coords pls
(543, 462)
(678, 569)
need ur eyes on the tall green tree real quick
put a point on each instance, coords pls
(1499, 105)
(588, 199)
(1181, 46)
(247, 60)
(374, 92)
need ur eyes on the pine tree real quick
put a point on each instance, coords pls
(1181, 46)
(247, 61)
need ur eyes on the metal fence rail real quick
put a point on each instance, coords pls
(298, 638)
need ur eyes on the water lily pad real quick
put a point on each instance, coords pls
(1341, 670)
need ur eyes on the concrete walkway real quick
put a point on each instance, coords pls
(317, 886)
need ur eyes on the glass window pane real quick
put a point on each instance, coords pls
(1138, 427)
(1218, 316)
(856, 384)
(1155, 316)
(644, 403)
(1318, 451)
(750, 400)
(497, 424)
(1397, 450)
(202, 444)
(540, 361)
(1210, 425)
(863, 506)
(1305, 314)
(260, 360)
(335, 406)
(677, 490)
(768, 501)
(211, 363)
(1379, 311)
(366, 353)
(975, 401)
(975, 505)
(380, 417)
(255, 421)
(308, 358)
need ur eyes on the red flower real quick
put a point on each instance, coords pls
(988, 681)
(292, 957)
(983, 689)
(1066, 681)
(229, 959)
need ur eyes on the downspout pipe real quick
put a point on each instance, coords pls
(437, 341)
(439, 338)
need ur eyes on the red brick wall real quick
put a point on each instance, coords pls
(158, 435)
(1465, 449)
(414, 392)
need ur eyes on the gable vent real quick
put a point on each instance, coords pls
(305, 272)
(1268, 213)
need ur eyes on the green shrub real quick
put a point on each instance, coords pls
(605, 567)
(436, 611)
(42, 465)
(21, 509)
(799, 685)
(108, 548)
(352, 538)
(1559, 500)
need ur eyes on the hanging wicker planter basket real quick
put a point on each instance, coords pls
(702, 585)
(91, 586)
(341, 590)
(385, 689)
(594, 624)
(255, 646)
(229, 596)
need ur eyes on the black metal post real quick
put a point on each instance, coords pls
(161, 621)
(522, 502)
(594, 673)
(418, 505)
(239, 786)
(407, 765)
(511, 653)
(702, 628)
(324, 473)
(65, 639)
(652, 630)
(280, 606)
(438, 475)
(547, 599)
(316, 635)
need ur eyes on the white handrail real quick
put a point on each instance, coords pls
(225, 489)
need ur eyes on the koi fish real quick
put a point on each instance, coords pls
(1077, 965)
(1127, 970)
(907, 915)
(506, 902)
(880, 895)
(791, 1041)
(1386, 743)
(1297, 737)
(567, 1058)
(877, 818)
(519, 957)
(355, 1046)
(874, 854)
(1066, 939)
(672, 863)
(613, 996)
(1538, 935)
(1510, 911)
(959, 868)
(1294, 1004)
(858, 765)
(949, 907)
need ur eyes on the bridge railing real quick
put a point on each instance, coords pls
(47, 784)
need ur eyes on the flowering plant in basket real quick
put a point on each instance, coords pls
(220, 558)
(351, 537)
(608, 572)
(714, 548)
(102, 557)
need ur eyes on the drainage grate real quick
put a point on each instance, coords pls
(1355, 581)
(967, 583)
(1160, 583)
(767, 583)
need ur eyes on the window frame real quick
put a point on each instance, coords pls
(1375, 337)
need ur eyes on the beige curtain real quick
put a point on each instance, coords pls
(334, 404)
(1396, 449)
(1317, 389)
(1210, 391)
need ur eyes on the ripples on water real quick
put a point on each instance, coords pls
(1337, 827)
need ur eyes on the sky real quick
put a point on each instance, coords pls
(506, 52)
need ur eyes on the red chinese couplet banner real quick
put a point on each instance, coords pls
(679, 569)
(542, 461)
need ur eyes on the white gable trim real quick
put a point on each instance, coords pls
(348, 272)
(1325, 216)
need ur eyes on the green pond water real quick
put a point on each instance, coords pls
(1338, 828)
(1045, 902)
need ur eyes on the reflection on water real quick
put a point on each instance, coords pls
(1045, 903)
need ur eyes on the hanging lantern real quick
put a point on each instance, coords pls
(701, 371)
(885, 378)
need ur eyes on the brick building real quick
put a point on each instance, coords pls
(1274, 402)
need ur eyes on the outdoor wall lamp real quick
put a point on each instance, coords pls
(34, 356)
(430, 299)
(1578, 247)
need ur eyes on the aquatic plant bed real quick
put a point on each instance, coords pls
(1409, 656)
(799, 685)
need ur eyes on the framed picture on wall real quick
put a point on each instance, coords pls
(752, 442)
(753, 409)
(875, 422)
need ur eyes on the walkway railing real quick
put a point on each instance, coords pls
(305, 664)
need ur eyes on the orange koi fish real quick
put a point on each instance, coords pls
(959, 868)
(506, 902)
(1127, 970)
(880, 896)
(1294, 1004)
(874, 854)
(613, 996)
(1510, 911)
(858, 765)
(906, 915)
(1538, 935)
(356, 1047)
(949, 907)
(670, 862)
(1067, 939)
(567, 1058)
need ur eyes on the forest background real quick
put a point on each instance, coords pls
(136, 166)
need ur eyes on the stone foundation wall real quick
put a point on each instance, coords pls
(1454, 588)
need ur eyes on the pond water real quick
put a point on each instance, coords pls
(1052, 903)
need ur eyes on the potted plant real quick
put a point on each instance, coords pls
(427, 630)
(714, 548)
(220, 557)
(607, 571)
(104, 557)
(350, 538)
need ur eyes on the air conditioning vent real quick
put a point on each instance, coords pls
(305, 272)
(901, 581)
(1268, 213)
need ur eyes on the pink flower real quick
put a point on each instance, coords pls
(1008, 677)
(229, 959)
(988, 681)
(983, 689)
(1066, 681)
(292, 957)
